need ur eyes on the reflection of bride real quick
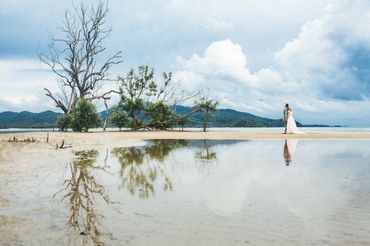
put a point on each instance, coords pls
(289, 148)
(291, 125)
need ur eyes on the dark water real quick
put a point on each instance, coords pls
(177, 192)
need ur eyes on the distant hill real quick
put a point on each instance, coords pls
(231, 118)
(27, 119)
(222, 118)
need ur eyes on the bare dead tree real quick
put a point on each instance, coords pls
(76, 57)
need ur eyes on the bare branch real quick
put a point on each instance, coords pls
(75, 57)
(58, 103)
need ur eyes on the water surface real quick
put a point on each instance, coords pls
(177, 192)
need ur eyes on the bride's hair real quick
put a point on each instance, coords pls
(286, 105)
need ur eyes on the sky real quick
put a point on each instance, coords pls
(253, 55)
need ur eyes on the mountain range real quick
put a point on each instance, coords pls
(221, 118)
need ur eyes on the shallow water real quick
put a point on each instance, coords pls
(177, 192)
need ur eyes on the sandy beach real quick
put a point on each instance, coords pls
(116, 139)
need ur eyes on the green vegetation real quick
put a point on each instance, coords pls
(64, 122)
(161, 116)
(206, 107)
(147, 103)
(136, 88)
(85, 116)
(221, 118)
(119, 118)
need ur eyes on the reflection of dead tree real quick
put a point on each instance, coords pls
(82, 189)
(142, 166)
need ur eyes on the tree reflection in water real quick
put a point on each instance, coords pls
(82, 190)
(141, 167)
(206, 153)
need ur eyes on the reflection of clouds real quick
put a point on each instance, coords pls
(226, 198)
(248, 187)
(251, 172)
(224, 190)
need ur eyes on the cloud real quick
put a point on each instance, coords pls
(22, 82)
(331, 54)
(254, 58)
(218, 25)
(21, 101)
(223, 69)
(324, 71)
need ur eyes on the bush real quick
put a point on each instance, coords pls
(85, 116)
(161, 116)
(64, 122)
(119, 118)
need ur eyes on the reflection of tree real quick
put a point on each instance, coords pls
(206, 153)
(141, 167)
(82, 189)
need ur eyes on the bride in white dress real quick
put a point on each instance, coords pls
(291, 125)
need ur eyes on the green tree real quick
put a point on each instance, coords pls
(182, 120)
(206, 106)
(85, 116)
(119, 118)
(147, 102)
(64, 122)
(136, 89)
(161, 115)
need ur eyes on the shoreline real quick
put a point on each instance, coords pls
(94, 140)
(188, 135)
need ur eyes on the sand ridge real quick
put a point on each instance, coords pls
(115, 139)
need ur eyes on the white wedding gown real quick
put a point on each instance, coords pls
(291, 127)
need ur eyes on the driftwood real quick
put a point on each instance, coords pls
(14, 139)
(63, 146)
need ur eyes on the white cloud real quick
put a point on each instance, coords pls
(223, 69)
(323, 72)
(327, 54)
(22, 82)
(298, 52)
(22, 101)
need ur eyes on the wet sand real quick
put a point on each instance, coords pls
(114, 139)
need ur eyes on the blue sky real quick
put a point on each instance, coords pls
(254, 55)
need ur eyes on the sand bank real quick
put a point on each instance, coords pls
(114, 139)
